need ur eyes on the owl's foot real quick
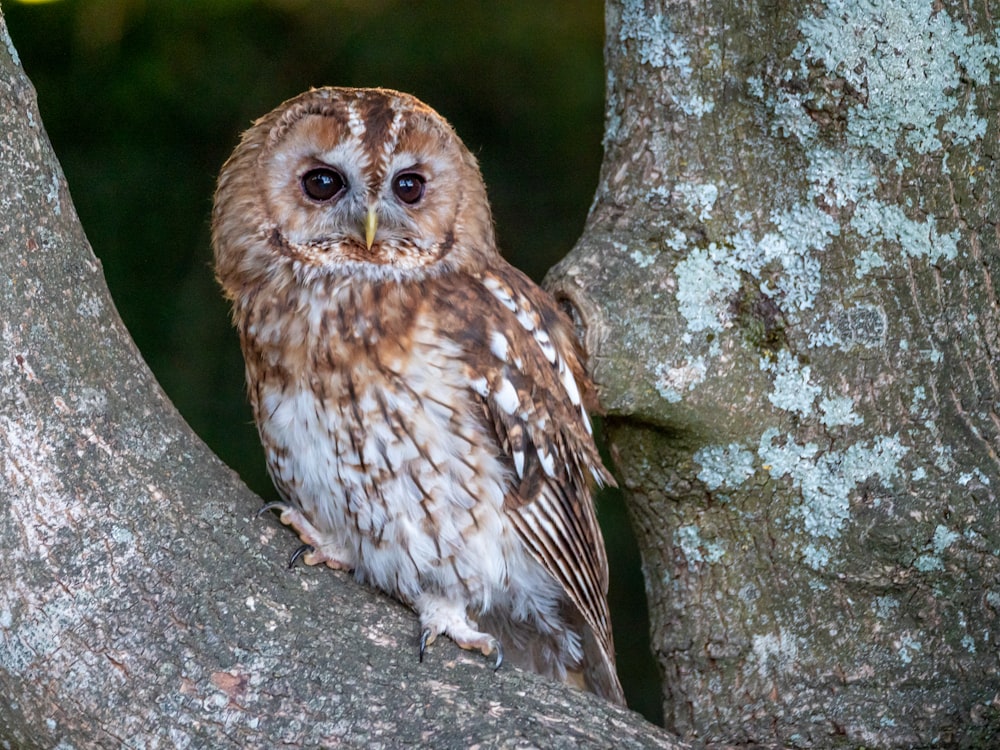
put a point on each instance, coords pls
(317, 546)
(438, 615)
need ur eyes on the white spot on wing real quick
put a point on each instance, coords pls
(519, 463)
(548, 463)
(499, 345)
(569, 382)
(498, 290)
(526, 319)
(506, 396)
(545, 344)
(480, 386)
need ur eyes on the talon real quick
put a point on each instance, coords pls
(273, 505)
(499, 660)
(301, 550)
(425, 640)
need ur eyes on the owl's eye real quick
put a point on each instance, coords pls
(408, 187)
(323, 183)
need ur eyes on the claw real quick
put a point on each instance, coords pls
(319, 545)
(425, 639)
(499, 660)
(273, 505)
(423, 645)
(301, 550)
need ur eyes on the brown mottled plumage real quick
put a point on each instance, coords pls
(420, 401)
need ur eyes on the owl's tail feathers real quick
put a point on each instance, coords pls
(599, 673)
(557, 654)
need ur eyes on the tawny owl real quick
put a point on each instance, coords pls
(420, 401)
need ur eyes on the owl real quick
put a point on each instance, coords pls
(422, 404)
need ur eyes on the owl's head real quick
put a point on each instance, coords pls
(350, 182)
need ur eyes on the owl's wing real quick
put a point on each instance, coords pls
(527, 371)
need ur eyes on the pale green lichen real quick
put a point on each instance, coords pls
(699, 198)
(908, 60)
(966, 129)
(614, 118)
(912, 72)
(695, 549)
(881, 222)
(966, 477)
(658, 46)
(792, 390)
(838, 411)
(696, 105)
(908, 646)
(671, 382)
(706, 279)
(799, 233)
(866, 261)
(676, 240)
(944, 538)
(91, 306)
(122, 535)
(773, 652)
(640, 258)
(8, 44)
(721, 465)
(943, 457)
(825, 480)
(52, 194)
(825, 333)
(928, 563)
(839, 177)
(886, 607)
(788, 112)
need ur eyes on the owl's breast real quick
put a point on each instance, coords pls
(382, 442)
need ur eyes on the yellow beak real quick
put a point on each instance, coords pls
(371, 225)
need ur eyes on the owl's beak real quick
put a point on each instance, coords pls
(371, 225)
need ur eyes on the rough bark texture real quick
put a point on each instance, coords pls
(141, 603)
(788, 287)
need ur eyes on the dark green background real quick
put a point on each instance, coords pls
(143, 101)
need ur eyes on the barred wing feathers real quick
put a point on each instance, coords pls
(534, 392)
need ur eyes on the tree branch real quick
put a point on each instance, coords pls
(143, 603)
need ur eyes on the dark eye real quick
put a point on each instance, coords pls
(408, 187)
(322, 184)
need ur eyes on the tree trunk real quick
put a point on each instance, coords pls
(786, 283)
(142, 603)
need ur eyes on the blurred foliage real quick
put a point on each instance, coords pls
(144, 99)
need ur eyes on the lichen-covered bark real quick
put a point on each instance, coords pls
(788, 288)
(142, 604)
